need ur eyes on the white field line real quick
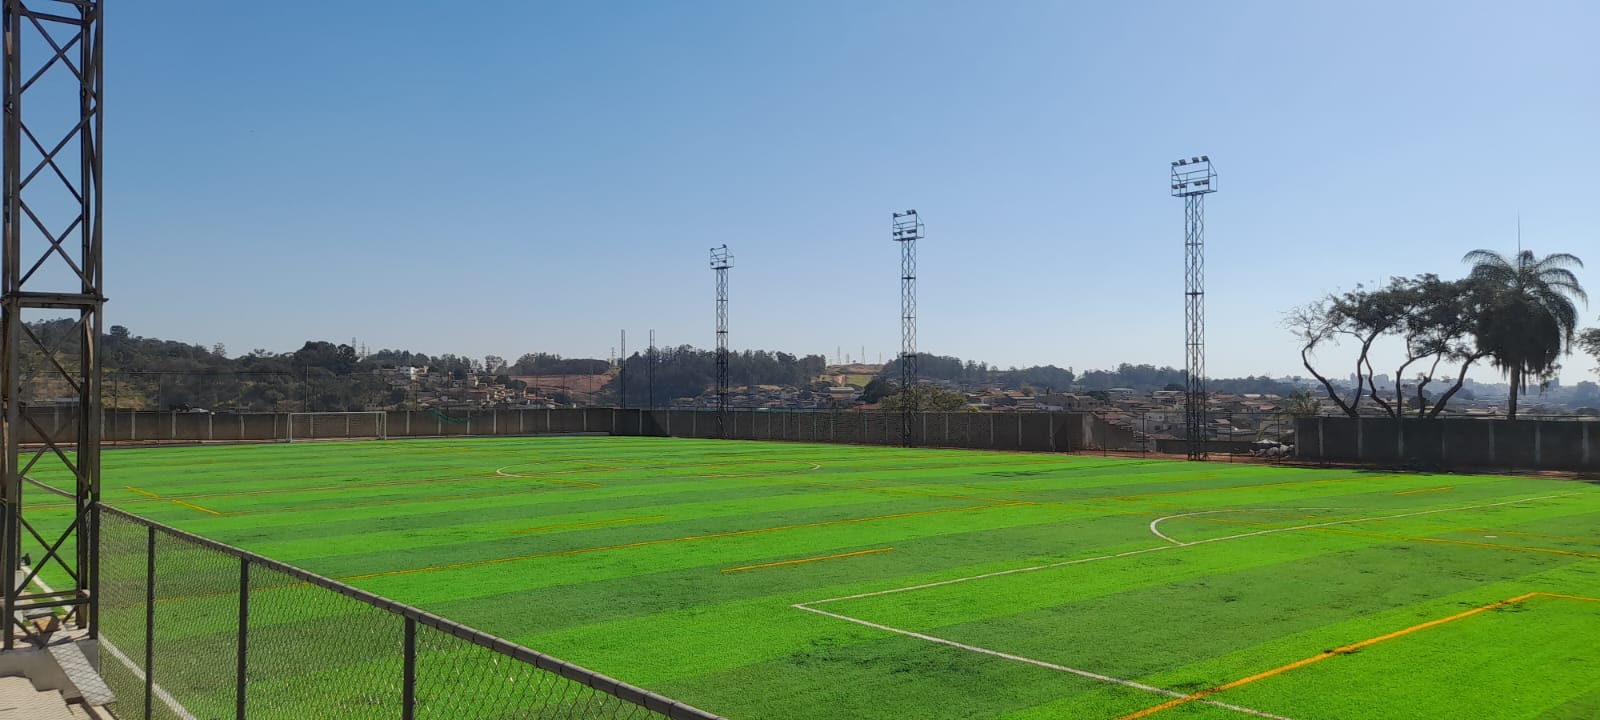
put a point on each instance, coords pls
(1159, 548)
(806, 606)
(160, 692)
(1039, 663)
(1180, 543)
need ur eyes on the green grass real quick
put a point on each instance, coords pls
(610, 552)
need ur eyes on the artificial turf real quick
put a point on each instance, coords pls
(670, 563)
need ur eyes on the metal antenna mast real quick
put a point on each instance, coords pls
(1193, 179)
(53, 271)
(721, 261)
(907, 230)
(650, 370)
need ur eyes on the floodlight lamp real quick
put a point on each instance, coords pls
(1181, 161)
(1194, 160)
(1174, 163)
(1206, 158)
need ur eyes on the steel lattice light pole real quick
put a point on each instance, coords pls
(721, 261)
(52, 269)
(907, 229)
(1193, 179)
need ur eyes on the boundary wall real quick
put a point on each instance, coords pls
(1037, 432)
(1452, 442)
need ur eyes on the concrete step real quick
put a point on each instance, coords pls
(92, 689)
(19, 701)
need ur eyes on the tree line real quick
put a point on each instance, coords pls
(1142, 378)
(1518, 314)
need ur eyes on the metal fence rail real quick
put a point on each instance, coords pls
(192, 629)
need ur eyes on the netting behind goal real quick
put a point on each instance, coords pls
(337, 426)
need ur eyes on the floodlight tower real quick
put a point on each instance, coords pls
(1193, 179)
(906, 228)
(622, 376)
(721, 261)
(52, 269)
(650, 370)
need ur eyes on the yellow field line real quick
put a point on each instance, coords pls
(1468, 543)
(1324, 655)
(1523, 548)
(1243, 487)
(587, 524)
(1570, 597)
(909, 491)
(644, 543)
(146, 493)
(1427, 490)
(1540, 535)
(808, 560)
(197, 507)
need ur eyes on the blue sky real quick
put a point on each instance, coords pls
(532, 176)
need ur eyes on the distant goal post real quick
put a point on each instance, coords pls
(370, 425)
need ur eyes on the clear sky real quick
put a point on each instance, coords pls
(529, 176)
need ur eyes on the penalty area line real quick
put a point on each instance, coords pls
(1098, 677)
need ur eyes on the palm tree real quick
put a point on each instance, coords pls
(1527, 317)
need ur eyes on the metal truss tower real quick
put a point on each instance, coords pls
(53, 272)
(1193, 179)
(622, 376)
(650, 372)
(907, 230)
(721, 261)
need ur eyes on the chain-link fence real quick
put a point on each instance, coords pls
(192, 629)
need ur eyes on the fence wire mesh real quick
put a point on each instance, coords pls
(191, 629)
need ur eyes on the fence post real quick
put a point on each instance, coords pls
(149, 620)
(244, 636)
(408, 689)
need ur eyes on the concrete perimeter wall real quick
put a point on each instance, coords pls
(1038, 432)
(1452, 442)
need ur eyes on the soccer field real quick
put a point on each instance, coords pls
(774, 581)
